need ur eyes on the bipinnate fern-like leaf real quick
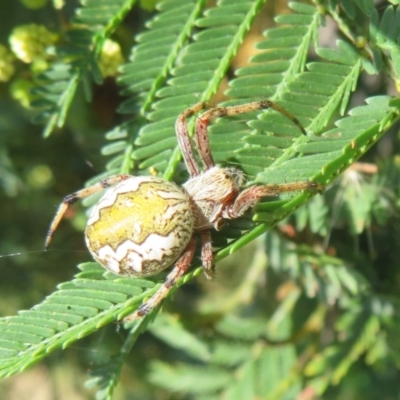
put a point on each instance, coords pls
(324, 87)
(150, 62)
(322, 160)
(282, 58)
(195, 75)
(200, 69)
(93, 299)
(153, 58)
(166, 74)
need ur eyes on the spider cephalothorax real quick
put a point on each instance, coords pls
(210, 193)
(142, 225)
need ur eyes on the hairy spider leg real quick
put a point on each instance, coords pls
(74, 197)
(182, 135)
(180, 268)
(252, 195)
(207, 254)
(201, 134)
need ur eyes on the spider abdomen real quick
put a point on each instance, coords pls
(140, 226)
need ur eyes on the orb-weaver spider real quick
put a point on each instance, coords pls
(144, 224)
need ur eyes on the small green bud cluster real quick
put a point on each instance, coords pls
(6, 64)
(29, 42)
(111, 58)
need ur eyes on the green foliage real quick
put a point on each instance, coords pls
(83, 46)
(314, 306)
(66, 315)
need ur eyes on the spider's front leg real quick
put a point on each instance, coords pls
(180, 268)
(201, 135)
(252, 195)
(81, 194)
(182, 135)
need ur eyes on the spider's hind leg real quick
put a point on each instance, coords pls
(180, 268)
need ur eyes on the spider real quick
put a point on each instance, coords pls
(144, 224)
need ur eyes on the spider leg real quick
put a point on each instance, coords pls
(206, 254)
(201, 135)
(252, 195)
(202, 122)
(182, 134)
(74, 197)
(180, 268)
